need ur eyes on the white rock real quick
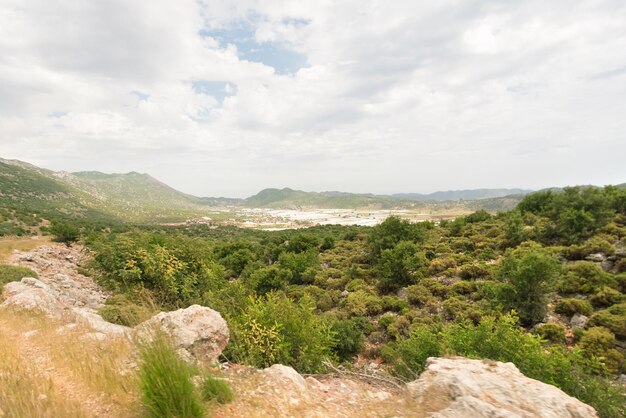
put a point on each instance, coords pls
(197, 331)
(578, 321)
(32, 294)
(285, 374)
(460, 387)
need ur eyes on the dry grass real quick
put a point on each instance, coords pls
(24, 392)
(68, 366)
(9, 244)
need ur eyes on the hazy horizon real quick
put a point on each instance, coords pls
(226, 99)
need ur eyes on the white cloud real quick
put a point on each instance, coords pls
(394, 96)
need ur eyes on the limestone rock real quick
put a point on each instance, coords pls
(460, 387)
(286, 374)
(578, 321)
(199, 333)
(32, 294)
(597, 257)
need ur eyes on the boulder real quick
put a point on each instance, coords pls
(578, 321)
(32, 294)
(286, 375)
(199, 333)
(460, 387)
(597, 257)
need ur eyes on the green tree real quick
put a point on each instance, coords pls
(400, 266)
(530, 271)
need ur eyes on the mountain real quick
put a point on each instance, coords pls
(36, 192)
(291, 199)
(473, 194)
(28, 193)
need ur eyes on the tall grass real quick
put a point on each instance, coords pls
(166, 386)
(24, 393)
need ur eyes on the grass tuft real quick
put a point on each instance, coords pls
(166, 386)
(218, 390)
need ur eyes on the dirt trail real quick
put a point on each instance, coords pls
(49, 346)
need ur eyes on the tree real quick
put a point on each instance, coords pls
(530, 272)
(63, 232)
(400, 266)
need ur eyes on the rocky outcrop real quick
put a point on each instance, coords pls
(199, 333)
(60, 292)
(460, 387)
(32, 294)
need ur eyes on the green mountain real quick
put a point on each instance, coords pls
(473, 194)
(296, 199)
(291, 199)
(30, 191)
(29, 194)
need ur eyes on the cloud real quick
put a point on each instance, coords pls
(225, 98)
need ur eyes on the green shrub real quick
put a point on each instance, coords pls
(350, 339)
(572, 306)
(530, 271)
(462, 287)
(408, 356)
(552, 332)
(400, 266)
(418, 295)
(613, 318)
(585, 277)
(606, 297)
(120, 309)
(216, 390)
(275, 329)
(10, 273)
(165, 380)
(599, 342)
(64, 232)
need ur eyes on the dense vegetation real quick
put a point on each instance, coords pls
(501, 286)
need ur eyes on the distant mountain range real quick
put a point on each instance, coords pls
(473, 194)
(138, 197)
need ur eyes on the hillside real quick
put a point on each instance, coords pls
(289, 198)
(29, 192)
(473, 194)
(296, 199)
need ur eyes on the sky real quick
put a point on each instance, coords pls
(225, 98)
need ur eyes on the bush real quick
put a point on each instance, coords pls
(530, 271)
(418, 295)
(10, 273)
(571, 306)
(274, 329)
(613, 318)
(216, 390)
(400, 266)
(65, 233)
(599, 342)
(349, 341)
(606, 297)
(552, 332)
(166, 386)
(120, 309)
(585, 277)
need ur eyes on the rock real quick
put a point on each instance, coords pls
(32, 294)
(199, 333)
(622, 379)
(460, 387)
(286, 374)
(578, 321)
(597, 257)
(97, 323)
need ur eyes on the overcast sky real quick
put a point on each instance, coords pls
(229, 97)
